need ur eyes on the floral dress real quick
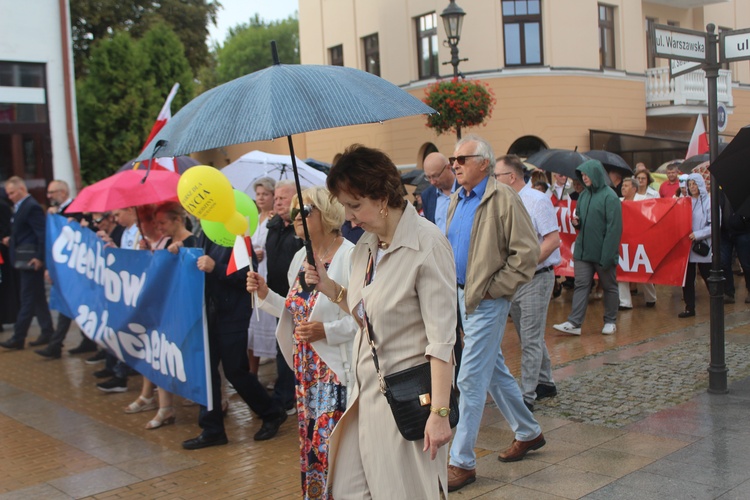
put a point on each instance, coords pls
(321, 399)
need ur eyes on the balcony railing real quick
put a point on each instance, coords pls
(688, 89)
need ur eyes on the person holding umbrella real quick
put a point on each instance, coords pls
(315, 335)
(403, 282)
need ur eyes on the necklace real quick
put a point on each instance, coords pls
(325, 254)
(383, 245)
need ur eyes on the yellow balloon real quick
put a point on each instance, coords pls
(236, 224)
(206, 193)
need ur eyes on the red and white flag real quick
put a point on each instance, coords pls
(240, 258)
(165, 114)
(699, 140)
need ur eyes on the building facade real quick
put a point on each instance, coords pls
(38, 123)
(566, 74)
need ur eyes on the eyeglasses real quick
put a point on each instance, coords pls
(461, 159)
(53, 191)
(306, 211)
(436, 176)
(99, 220)
(497, 176)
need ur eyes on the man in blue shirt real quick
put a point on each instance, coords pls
(496, 251)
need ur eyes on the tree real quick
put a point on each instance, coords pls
(95, 20)
(120, 98)
(248, 47)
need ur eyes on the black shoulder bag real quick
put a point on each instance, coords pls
(407, 391)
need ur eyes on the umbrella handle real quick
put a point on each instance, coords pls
(311, 259)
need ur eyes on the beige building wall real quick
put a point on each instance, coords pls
(558, 103)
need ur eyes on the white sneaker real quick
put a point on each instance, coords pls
(568, 328)
(609, 329)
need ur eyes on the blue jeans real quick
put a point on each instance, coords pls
(483, 370)
(729, 243)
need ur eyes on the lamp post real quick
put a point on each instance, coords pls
(453, 18)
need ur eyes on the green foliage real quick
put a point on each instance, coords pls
(459, 103)
(120, 98)
(248, 47)
(96, 20)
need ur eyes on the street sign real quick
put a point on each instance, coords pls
(677, 67)
(678, 43)
(734, 45)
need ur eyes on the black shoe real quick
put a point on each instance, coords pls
(41, 340)
(528, 405)
(650, 304)
(84, 347)
(13, 344)
(545, 391)
(203, 441)
(96, 358)
(104, 373)
(49, 352)
(556, 290)
(728, 299)
(624, 308)
(686, 314)
(115, 384)
(270, 427)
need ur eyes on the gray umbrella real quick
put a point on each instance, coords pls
(279, 101)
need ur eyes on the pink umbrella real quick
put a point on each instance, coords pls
(127, 189)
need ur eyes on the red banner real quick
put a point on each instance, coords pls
(654, 247)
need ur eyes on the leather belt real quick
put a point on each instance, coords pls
(544, 270)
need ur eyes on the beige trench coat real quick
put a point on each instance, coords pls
(411, 304)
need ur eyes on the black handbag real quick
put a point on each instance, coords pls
(701, 248)
(407, 391)
(24, 254)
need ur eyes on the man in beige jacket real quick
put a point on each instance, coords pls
(496, 251)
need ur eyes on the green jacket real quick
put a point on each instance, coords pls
(600, 219)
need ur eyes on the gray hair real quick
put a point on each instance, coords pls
(266, 183)
(284, 183)
(632, 180)
(483, 149)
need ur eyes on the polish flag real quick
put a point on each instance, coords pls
(240, 258)
(699, 140)
(164, 115)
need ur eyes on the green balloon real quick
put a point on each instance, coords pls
(216, 232)
(246, 206)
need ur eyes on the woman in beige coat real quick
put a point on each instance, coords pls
(411, 305)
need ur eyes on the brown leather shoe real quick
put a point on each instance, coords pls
(519, 449)
(458, 477)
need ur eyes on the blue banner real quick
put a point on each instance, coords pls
(145, 307)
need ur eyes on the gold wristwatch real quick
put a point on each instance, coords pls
(443, 411)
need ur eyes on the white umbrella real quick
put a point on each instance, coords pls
(250, 167)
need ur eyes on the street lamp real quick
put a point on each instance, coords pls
(453, 18)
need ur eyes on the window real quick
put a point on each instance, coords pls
(522, 28)
(606, 36)
(650, 49)
(31, 108)
(336, 55)
(427, 45)
(372, 54)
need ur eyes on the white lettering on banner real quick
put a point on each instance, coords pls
(154, 349)
(89, 262)
(563, 219)
(640, 258)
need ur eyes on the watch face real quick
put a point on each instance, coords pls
(443, 412)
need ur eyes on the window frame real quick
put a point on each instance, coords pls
(606, 30)
(368, 52)
(432, 35)
(522, 20)
(335, 59)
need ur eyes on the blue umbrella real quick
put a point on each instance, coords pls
(279, 101)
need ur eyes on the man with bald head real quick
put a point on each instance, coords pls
(26, 244)
(436, 198)
(58, 194)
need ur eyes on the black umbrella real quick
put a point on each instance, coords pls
(561, 161)
(413, 177)
(732, 170)
(279, 101)
(611, 161)
(688, 165)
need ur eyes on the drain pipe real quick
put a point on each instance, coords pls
(69, 104)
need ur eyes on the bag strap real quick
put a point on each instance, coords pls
(368, 326)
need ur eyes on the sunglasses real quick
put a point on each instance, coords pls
(306, 211)
(462, 159)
